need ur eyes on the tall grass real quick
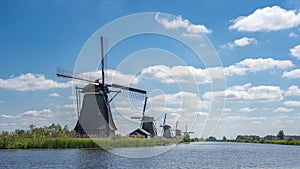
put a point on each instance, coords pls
(65, 143)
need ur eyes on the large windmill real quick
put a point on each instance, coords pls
(94, 117)
(167, 133)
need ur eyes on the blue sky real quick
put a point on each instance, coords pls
(256, 41)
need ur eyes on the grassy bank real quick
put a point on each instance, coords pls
(283, 142)
(65, 143)
(57, 137)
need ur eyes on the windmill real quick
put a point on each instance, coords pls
(166, 129)
(94, 117)
(186, 131)
(147, 122)
(177, 131)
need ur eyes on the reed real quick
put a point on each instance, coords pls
(65, 143)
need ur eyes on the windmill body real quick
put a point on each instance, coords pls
(177, 131)
(95, 118)
(167, 133)
(148, 124)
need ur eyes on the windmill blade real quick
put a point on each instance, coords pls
(129, 88)
(61, 72)
(145, 104)
(130, 92)
(165, 119)
(102, 60)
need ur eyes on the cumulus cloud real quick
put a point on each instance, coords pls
(256, 65)
(191, 30)
(31, 82)
(247, 93)
(283, 110)
(240, 42)
(293, 74)
(45, 113)
(295, 52)
(185, 99)
(112, 76)
(187, 74)
(291, 103)
(176, 74)
(54, 95)
(293, 91)
(266, 19)
(247, 110)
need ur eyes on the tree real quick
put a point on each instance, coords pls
(186, 138)
(281, 135)
(224, 138)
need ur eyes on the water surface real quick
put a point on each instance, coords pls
(197, 155)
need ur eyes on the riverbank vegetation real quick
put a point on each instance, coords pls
(262, 141)
(57, 137)
(280, 138)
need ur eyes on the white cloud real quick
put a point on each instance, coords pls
(293, 91)
(240, 42)
(112, 76)
(256, 65)
(267, 19)
(31, 82)
(293, 74)
(247, 109)
(54, 95)
(190, 74)
(293, 34)
(227, 109)
(191, 30)
(45, 113)
(247, 93)
(283, 110)
(291, 103)
(70, 106)
(176, 74)
(187, 100)
(295, 52)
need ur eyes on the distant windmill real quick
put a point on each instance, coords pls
(147, 122)
(166, 129)
(186, 131)
(95, 117)
(177, 131)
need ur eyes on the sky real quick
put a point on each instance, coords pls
(254, 45)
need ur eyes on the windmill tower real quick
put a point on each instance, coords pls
(177, 131)
(148, 122)
(167, 133)
(95, 118)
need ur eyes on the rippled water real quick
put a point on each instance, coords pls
(197, 155)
